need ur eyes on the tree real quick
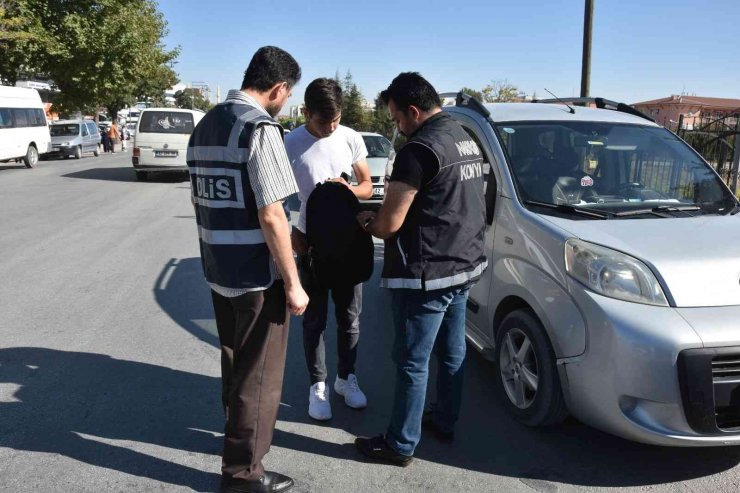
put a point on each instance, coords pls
(500, 91)
(380, 119)
(193, 99)
(354, 113)
(97, 52)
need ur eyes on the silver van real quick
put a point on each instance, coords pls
(74, 137)
(613, 286)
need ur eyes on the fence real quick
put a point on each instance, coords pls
(718, 141)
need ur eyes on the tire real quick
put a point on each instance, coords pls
(96, 152)
(527, 376)
(142, 175)
(78, 152)
(31, 158)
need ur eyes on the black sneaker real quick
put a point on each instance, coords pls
(270, 482)
(427, 422)
(377, 449)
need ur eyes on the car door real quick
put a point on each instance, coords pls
(477, 313)
(85, 133)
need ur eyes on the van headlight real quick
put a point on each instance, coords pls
(612, 273)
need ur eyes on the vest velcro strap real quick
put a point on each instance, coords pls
(236, 237)
(218, 153)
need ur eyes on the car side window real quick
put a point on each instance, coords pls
(85, 133)
(489, 177)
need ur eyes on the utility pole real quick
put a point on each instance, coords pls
(588, 24)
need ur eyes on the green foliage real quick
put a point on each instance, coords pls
(190, 98)
(354, 113)
(380, 119)
(97, 52)
(500, 91)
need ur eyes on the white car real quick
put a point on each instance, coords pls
(379, 153)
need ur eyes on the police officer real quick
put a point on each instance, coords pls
(433, 221)
(240, 175)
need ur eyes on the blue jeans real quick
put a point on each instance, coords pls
(426, 322)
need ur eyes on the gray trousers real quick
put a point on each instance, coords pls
(347, 308)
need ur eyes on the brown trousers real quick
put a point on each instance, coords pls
(253, 330)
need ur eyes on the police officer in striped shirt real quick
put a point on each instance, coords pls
(240, 175)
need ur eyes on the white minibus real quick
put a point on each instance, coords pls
(24, 133)
(161, 139)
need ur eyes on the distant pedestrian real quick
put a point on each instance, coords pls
(104, 139)
(433, 224)
(240, 176)
(114, 135)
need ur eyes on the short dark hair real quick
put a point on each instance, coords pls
(323, 97)
(271, 65)
(410, 88)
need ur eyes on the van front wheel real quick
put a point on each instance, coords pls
(528, 375)
(78, 152)
(31, 158)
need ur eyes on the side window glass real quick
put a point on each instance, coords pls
(21, 117)
(41, 116)
(489, 177)
(6, 118)
(85, 133)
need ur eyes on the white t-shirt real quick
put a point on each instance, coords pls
(316, 160)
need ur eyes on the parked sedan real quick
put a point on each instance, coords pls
(379, 152)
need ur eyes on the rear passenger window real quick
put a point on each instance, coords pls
(21, 117)
(36, 117)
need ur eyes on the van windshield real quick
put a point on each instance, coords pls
(64, 130)
(625, 170)
(166, 122)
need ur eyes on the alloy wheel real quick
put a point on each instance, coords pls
(518, 368)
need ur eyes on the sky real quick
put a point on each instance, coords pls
(642, 49)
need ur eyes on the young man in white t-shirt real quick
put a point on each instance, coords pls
(323, 150)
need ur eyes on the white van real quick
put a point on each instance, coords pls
(161, 139)
(24, 132)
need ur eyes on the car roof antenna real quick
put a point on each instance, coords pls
(566, 104)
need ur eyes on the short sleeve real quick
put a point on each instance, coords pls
(268, 167)
(415, 165)
(359, 150)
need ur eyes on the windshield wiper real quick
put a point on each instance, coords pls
(594, 213)
(658, 209)
(734, 210)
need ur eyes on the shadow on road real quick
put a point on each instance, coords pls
(78, 404)
(487, 439)
(126, 174)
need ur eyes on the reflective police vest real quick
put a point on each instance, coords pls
(440, 243)
(233, 250)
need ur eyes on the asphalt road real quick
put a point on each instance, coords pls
(109, 368)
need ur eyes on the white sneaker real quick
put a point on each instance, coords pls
(318, 402)
(350, 390)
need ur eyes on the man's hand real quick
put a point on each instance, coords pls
(340, 180)
(296, 298)
(364, 216)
